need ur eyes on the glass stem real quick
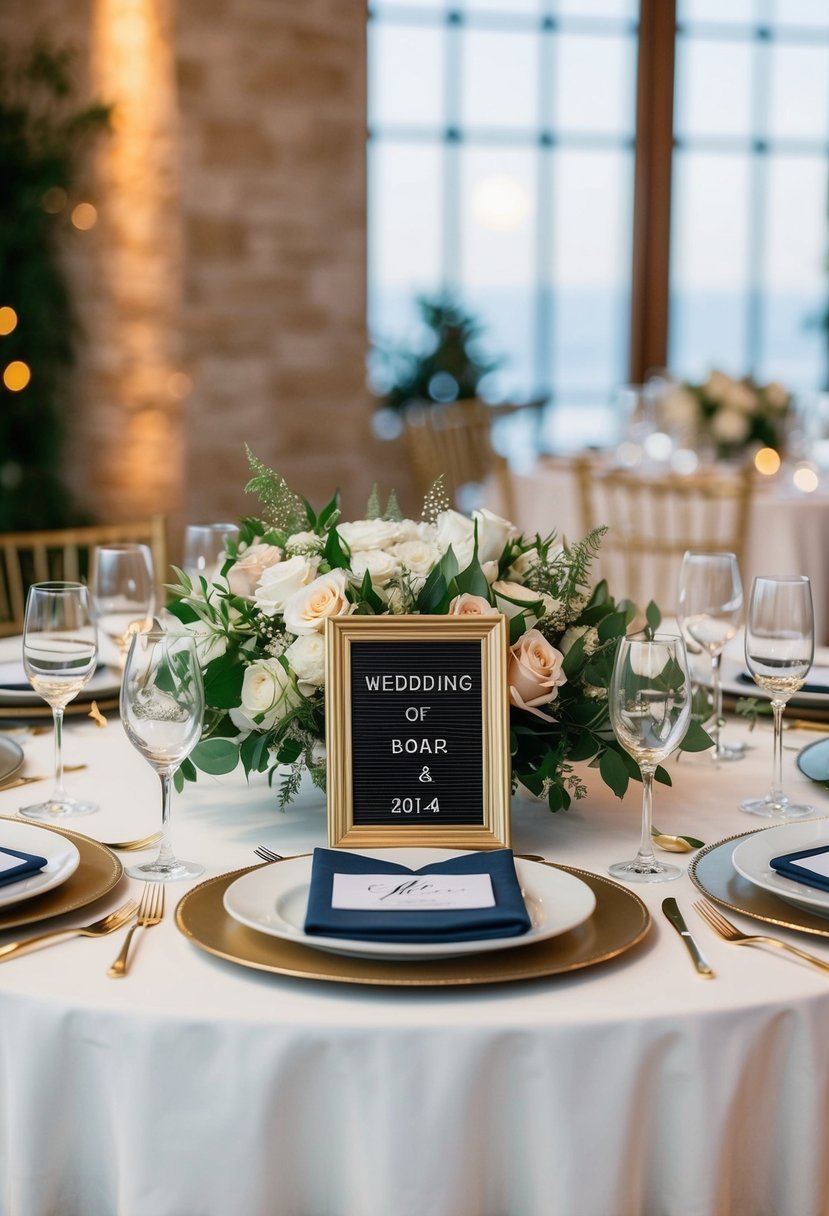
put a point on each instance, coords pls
(60, 790)
(165, 851)
(645, 857)
(716, 687)
(776, 795)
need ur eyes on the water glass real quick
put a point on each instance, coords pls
(205, 549)
(123, 594)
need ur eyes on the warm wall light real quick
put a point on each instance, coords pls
(8, 320)
(767, 461)
(17, 375)
(179, 386)
(84, 216)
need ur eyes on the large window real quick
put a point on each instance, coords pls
(502, 139)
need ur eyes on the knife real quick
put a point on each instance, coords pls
(671, 910)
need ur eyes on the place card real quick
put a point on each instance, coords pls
(393, 892)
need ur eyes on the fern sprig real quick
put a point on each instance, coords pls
(283, 508)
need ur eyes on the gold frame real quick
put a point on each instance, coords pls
(491, 632)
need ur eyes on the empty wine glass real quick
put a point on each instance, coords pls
(162, 707)
(709, 611)
(122, 592)
(780, 646)
(60, 652)
(650, 708)
(205, 549)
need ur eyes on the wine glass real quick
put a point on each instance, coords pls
(650, 708)
(122, 592)
(780, 646)
(709, 611)
(60, 653)
(205, 549)
(162, 707)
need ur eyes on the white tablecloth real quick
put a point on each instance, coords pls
(788, 531)
(197, 1088)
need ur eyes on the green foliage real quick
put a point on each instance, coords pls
(284, 509)
(43, 137)
(448, 366)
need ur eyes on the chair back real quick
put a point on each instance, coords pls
(64, 554)
(652, 520)
(453, 441)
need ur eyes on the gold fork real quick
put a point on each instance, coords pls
(98, 928)
(731, 933)
(150, 912)
(131, 846)
(18, 781)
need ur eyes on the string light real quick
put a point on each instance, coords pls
(8, 320)
(767, 462)
(17, 375)
(806, 479)
(84, 216)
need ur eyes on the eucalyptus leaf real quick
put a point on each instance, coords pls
(216, 756)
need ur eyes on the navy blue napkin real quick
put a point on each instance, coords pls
(508, 918)
(30, 864)
(787, 865)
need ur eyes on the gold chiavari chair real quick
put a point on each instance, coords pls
(30, 557)
(652, 520)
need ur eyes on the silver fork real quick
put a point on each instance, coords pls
(715, 919)
(267, 854)
(150, 912)
(98, 928)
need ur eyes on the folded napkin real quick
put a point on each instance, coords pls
(15, 866)
(809, 866)
(506, 918)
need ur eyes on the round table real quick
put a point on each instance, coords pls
(196, 1087)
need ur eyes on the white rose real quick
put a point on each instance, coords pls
(717, 385)
(210, 644)
(740, 397)
(458, 531)
(572, 635)
(268, 694)
(535, 672)
(730, 426)
(680, 409)
(410, 529)
(364, 534)
(493, 534)
(307, 659)
(472, 605)
(649, 659)
(490, 571)
(244, 575)
(416, 556)
(304, 542)
(280, 582)
(306, 610)
(777, 397)
(382, 567)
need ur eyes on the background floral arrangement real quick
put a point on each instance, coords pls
(259, 626)
(731, 414)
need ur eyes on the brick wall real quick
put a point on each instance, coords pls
(230, 247)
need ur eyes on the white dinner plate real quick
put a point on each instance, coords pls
(11, 758)
(105, 681)
(62, 859)
(274, 898)
(752, 856)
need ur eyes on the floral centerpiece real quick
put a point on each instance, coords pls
(259, 626)
(731, 415)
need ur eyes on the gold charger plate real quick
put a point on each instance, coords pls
(619, 922)
(98, 872)
(22, 712)
(712, 872)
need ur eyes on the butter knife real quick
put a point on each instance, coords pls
(671, 910)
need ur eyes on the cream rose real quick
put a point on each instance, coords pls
(307, 659)
(472, 605)
(507, 592)
(535, 672)
(268, 694)
(362, 534)
(730, 426)
(306, 610)
(280, 582)
(244, 575)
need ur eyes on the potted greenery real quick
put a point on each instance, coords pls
(43, 133)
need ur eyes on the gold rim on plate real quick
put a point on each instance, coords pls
(712, 872)
(619, 922)
(98, 872)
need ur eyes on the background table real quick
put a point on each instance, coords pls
(197, 1088)
(787, 531)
